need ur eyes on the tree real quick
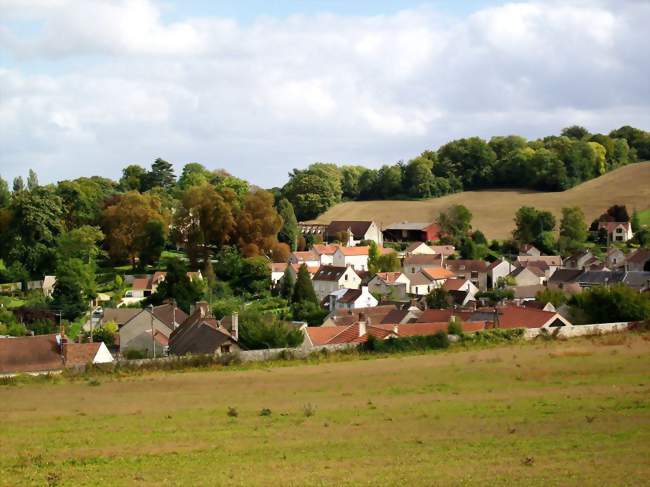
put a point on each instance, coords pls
(84, 200)
(289, 231)
(125, 223)
(74, 288)
(152, 244)
(194, 174)
(303, 291)
(419, 181)
(259, 331)
(286, 284)
(388, 262)
(549, 295)
(638, 140)
(255, 276)
(635, 222)
(19, 184)
(161, 175)
(531, 224)
(350, 176)
(455, 222)
(608, 304)
(573, 228)
(258, 224)
(80, 243)
(35, 224)
(575, 132)
(313, 191)
(438, 298)
(5, 194)
(204, 220)
(472, 159)
(389, 182)
(373, 257)
(617, 213)
(32, 180)
(177, 286)
(133, 178)
(106, 334)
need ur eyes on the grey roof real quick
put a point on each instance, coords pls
(418, 279)
(565, 275)
(408, 226)
(601, 277)
(329, 273)
(637, 279)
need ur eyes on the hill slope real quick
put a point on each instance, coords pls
(494, 210)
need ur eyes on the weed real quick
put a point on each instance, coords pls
(8, 381)
(265, 412)
(93, 382)
(232, 412)
(309, 409)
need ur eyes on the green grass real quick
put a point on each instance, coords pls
(644, 218)
(549, 413)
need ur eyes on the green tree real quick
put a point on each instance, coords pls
(289, 232)
(575, 132)
(573, 228)
(314, 190)
(32, 180)
(608, 304)
(635, 221)
(419, 181)
(388, 262)
(455, 222)
(350, 177)
(260, 331)
(472, 159)
(438, 298)
(287, 284)
(389, 182)
(177, 286)
(194, 174)
(161, 175)
(84, 200)
(531, 224)
(5, 194)
(255, 276)
(19, 184)
(153, 238)
(80, 243)
(133, 178)
(549, 295)
(74, 288)
(373, 257)
(303, 291)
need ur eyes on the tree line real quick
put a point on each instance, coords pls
(553, 163)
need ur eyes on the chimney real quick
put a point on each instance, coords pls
(204, 308)
(234, 327)
(362, 325)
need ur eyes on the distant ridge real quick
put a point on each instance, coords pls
(494, 210)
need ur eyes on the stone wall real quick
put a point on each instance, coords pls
(578, 330)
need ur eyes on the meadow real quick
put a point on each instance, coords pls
(494, 210)
(548, 413)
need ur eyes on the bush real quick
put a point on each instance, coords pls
(232, 412)
(133, 354)
(495, 335)
(455, 327)
(406, 344)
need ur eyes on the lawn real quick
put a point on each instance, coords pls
(548, 413)
(644, 218)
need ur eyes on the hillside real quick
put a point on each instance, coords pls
(494, 210)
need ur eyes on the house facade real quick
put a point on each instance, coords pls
(357, 231)
(356, 257)
(617, 231)
(392, 285)
(474, 270)
(411, 232)
(330, 278)
(349, 299)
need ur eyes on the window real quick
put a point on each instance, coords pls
(225, 348)
(474, 275)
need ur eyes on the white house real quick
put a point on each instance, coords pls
(420, 284)
(617, 231)
(347, 299)
(309, 258)
(325, 253)
(357, 257)
(418, 248)
(277, 271)
(357, 231)
(462, 290)
(499, 269)
(330, 278)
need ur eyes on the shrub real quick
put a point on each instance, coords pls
(455, 327)
(232, 412)
(406, 344)
(265, 412)
(309, 409)
(134, 354)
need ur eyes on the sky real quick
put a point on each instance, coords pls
(260, 87)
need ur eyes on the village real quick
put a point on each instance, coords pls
(427, 289)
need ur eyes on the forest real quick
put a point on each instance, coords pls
(553, 163)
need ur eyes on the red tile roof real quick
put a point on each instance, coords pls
(38, 353)
(521, 317)
(389, 277)
(322, 249)
(453, 284)
(80, 353)
(437, 272)
(440, 315)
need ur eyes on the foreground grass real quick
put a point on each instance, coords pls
(552, 413)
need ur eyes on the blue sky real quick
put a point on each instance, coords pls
(88, 87)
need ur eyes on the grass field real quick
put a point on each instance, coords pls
(494, 210)
(644, 218)
(548, 413)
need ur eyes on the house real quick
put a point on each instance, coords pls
(554, 262)
(415, 263)
(462, 291)
(578, 260)
(411, 232)
(277, 271)
(565, 279)
(528, 317)
(443, 250)
(524, 293)
(418, 248)
(347, 299)
(437, 275)
(356, 257)
(474, 270)
(638, 261)
(316, 230)
(639, 280)
(393, 285)
(202, 334)
(346, 317)
(529, 275)
(600, 278)
(146, 285)
(529, 250)
(615, 258)
(357, 231)
(149, 331)
(617, 231)
(48, 285)
(325, 253)
(420, 284)
(295, 268)
(47, 353)
(309, 258)
(330, 278)
(498, 269)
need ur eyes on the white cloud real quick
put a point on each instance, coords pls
(98, 84)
